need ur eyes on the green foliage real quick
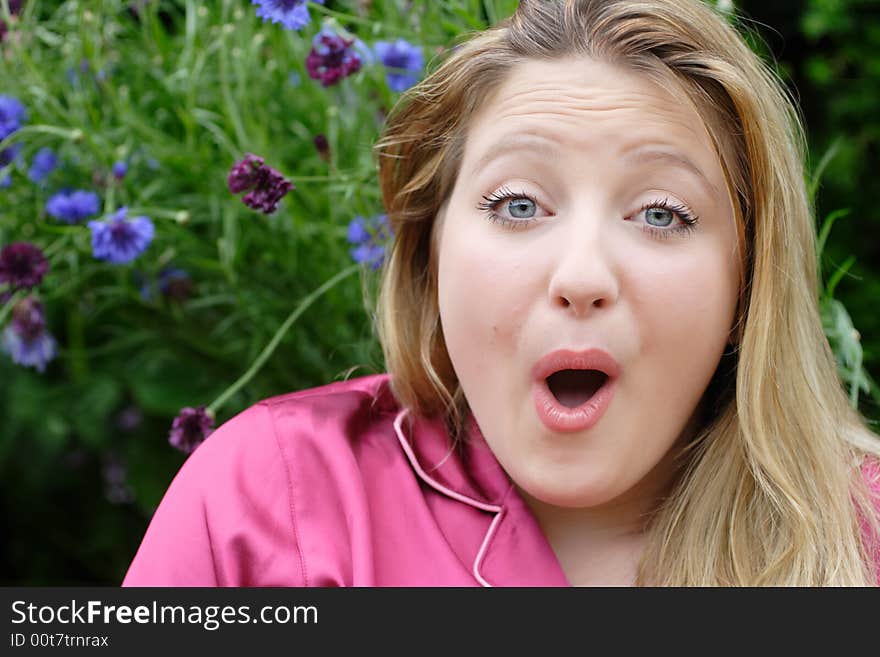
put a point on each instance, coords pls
(841, 82)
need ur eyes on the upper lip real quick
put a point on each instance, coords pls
(569, 359)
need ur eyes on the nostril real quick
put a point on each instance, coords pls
(597, 303)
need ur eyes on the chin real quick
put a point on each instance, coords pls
(574, 495)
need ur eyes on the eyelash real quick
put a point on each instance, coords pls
(489, 205)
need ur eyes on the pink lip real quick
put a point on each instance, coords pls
(566, 359)
(558, 417)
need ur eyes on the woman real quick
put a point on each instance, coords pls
(606, 362)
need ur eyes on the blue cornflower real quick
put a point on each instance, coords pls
(120, 168)
(174, 284)
(9, 154)
(12, 115)
(26, 339)
(292, 14)
(404, 61)
(119, 240)
(369, 237)
(44, 163)
(73, 206)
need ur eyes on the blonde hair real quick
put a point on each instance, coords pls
(771, 490)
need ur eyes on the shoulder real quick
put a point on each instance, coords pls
(231, 517)
(332, 410)
(870, 471)
(329, 417)
(871, 474)
(301, 440)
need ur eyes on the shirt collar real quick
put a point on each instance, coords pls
(514, 551)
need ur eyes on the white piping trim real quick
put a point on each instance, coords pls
(483, 548)
(440, 487)
(454, 495)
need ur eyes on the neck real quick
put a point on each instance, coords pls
(602, 545)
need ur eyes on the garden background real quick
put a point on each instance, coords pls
(148, 293)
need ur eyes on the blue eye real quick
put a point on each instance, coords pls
(664, 215)
(660, 219)
(522, 208)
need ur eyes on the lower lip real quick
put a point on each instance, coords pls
(558, 417)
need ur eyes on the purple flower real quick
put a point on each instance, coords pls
(323, 147)
(404, 61)
(190, 428)
(22, 265)
(267, 186)
(25, 339)
(331, 57)
(369, 237)
(120, 168)
(243, 175)
(73, 206)
(12, 115)
(119, 240)
(292, 14)
(44, 163)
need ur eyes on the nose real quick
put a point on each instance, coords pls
(583, 278)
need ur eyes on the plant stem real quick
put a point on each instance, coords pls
(279, 334)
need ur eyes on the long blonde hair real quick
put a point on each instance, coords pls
(771, 490)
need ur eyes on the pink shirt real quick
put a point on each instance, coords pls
(333, 486)
(336, 486)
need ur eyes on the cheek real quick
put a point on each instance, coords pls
(686, 312)
(481, 295)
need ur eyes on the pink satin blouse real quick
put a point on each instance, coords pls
(337, 486)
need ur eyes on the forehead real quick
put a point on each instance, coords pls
(589, 107)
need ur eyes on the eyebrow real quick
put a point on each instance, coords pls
(641, 153)
(647, 153)
(519, 142)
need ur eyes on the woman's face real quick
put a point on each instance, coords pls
(568, 229)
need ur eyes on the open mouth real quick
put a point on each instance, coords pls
(574, 387)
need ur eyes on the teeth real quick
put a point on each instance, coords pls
(573, 387)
